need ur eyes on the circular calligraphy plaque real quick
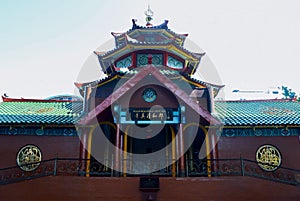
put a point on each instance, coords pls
(268, 157)
(28, 157)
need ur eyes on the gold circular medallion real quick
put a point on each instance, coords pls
(268, 157)
(28, 157)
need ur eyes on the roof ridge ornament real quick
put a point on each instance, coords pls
(149, 16)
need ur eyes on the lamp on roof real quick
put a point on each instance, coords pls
(149, 16)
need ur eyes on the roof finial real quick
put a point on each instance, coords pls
(149, 15)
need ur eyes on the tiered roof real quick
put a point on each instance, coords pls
(151, 38)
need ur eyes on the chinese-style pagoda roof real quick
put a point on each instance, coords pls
(138, 30)
(258, 112)
(168, 45)
(36, 111)
(151, 38)
(171, 74)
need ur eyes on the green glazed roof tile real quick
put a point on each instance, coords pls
(234, 113)
(262, 112)
(40, 112)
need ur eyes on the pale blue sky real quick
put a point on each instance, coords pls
(254, 44)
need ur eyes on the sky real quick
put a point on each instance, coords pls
(253, 44)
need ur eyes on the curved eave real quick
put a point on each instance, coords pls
(170, 46)
(216, 88)
(159, 28)
(166, 32)
(99, 53)
(203, 83)
(96, 82)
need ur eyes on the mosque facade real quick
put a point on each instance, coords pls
(150, 115)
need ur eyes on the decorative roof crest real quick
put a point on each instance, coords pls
(149, 16)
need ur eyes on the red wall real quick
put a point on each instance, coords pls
(165, 98)
(233, 147)
(49, 146)
(171, 189)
